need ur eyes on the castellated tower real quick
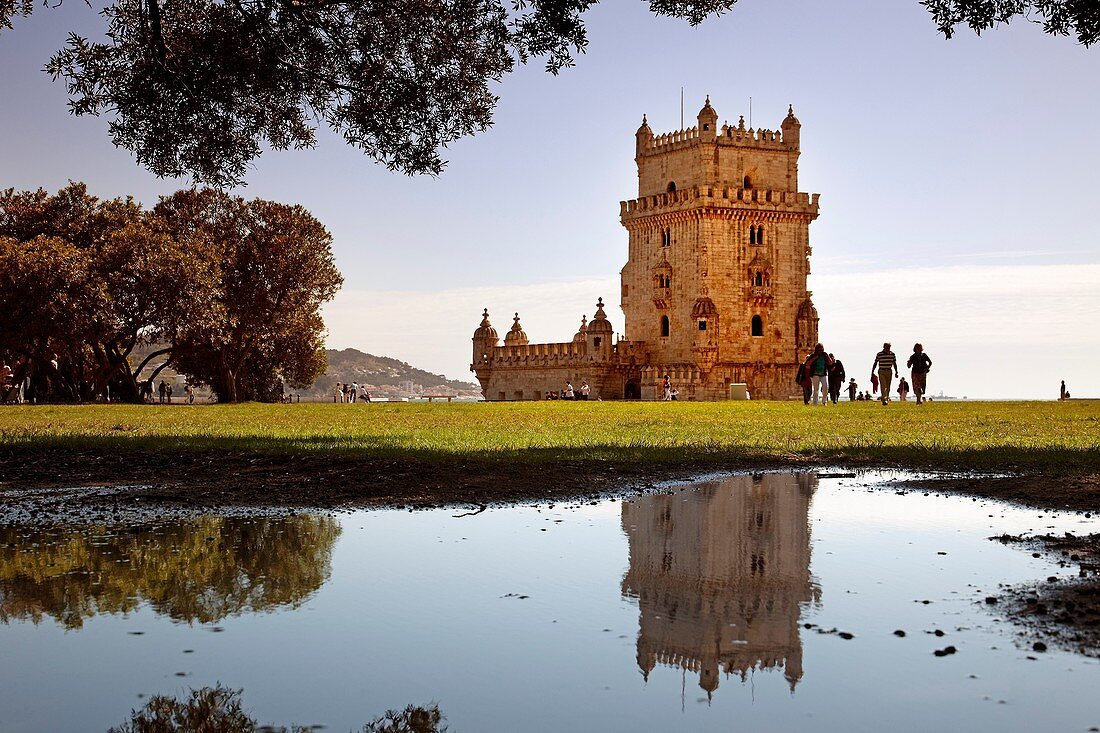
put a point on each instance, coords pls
(715, 279)
(714, 287)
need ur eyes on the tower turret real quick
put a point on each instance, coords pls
(708, 122)
(516, 336)
(599, 332)
(792, 129)
(485, 339)
(582, 333)
(644, 136)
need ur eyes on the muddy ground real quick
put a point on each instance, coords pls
(1057, 612)
(212, 481)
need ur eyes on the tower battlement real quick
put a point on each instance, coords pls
(728, 135)
(745, 199)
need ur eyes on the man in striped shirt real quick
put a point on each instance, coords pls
(887, 365)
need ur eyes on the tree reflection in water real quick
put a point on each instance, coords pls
(720, 574)
(218, 710)
(199, 570)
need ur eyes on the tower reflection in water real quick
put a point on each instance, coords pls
(720, 574)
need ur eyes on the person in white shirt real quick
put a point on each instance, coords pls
(585, 390)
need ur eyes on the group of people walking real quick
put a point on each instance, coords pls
(821, 376)
(347, 392)
(163, 392)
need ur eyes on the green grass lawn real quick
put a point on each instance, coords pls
(1034, 435)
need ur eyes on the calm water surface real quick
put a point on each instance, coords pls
(702, 609)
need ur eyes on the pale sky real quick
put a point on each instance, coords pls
(956, 178)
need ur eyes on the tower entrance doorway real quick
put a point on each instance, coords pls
(633, 390)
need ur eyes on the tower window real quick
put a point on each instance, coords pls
(752, 234)
(757, 326)
(664, 326)
(760, 235)
(759, 278)
(702, 325)
(666, 237)
(671, 186)
(747, 182)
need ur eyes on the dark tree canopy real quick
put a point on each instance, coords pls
(1078, 18)
(200, 87)
(227, 291)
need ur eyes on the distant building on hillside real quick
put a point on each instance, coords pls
(714, 286)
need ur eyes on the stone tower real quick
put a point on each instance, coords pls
(715, 279)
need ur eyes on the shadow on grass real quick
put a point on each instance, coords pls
(364, 450)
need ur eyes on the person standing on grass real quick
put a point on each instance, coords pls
(852, 387)
(168, 392)
(585, 390)
(919, 363)
(886, 364)
(568, 393)
(817, 367)
(666, 388)
(1062, 392)
(802, 379)
(903, 389)
(189, 390)
(836, 378)
(161, 390)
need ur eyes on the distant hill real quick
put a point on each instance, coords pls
(384, 376)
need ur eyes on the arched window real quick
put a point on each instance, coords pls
(664, 326)
(759, 278)
(752, 235)
(747, 182)
(757, 326)
(671, 186)
(666, 237)
(760, 235)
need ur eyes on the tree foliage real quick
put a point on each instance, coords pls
(228, 291)
(219, 710)
(196, 571)
(200, 87)
(1079, 18)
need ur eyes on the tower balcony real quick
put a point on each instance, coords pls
(728, 198)
(760, 294)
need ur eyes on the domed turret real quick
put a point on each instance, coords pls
(485, 340)
(600, 324)
(644, 136)
(792, 128)
(582, 332)
(486, 330)
(516, 336)
(708, 122)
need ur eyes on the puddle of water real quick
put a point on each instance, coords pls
(708, 608)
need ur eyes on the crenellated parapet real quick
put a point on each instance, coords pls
(727, 136)
(745, 200)
(503, 357)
